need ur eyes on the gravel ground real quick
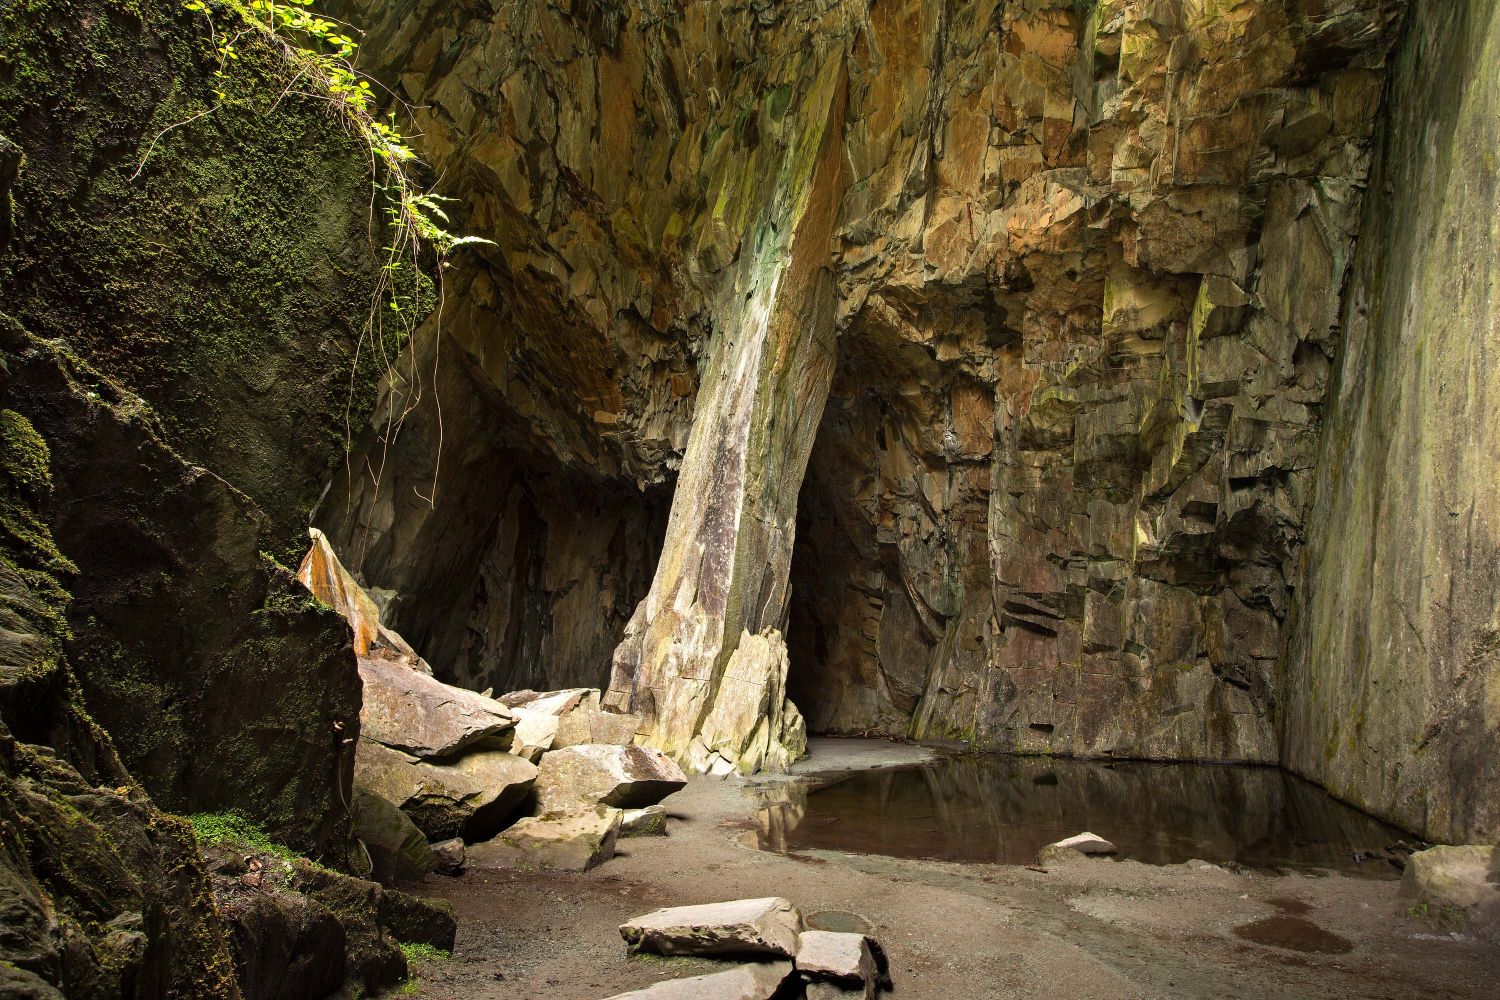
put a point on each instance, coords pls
(1086, 929)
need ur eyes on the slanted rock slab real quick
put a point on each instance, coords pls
(398, 850)
(575, 841)
(762, 981)
(421, 716)
(742, 927)
(600, 773)
(554, 703)
(853, 962)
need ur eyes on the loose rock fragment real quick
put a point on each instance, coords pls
(744, 927)
(449, 856)
(596, 773)
(574, 841)
(1457, 881)
(748, 982)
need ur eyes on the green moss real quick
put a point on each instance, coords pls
(423, 953)
(234, 830)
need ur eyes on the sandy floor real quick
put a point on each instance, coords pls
(1090, 929)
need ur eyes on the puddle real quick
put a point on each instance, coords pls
(838, 920)
(1002, 809)
(1293, 934)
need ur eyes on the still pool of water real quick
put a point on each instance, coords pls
(1003, 809)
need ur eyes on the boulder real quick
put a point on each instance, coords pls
(743, 927)
(599, 773)
(1083, 844)
(762, 981)
(554, 703)
(592, 724)
(574, 841)
(398, 850)
(534, 734)
(1457, 882)
(472, 796)
(409, 711)
(648, 822)
(848, 962)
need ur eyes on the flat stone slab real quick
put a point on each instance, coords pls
(419, 715)
(554, 703)
(605, 774)
(575, 842)
(742, 927)
(852, 961)
(762, 981)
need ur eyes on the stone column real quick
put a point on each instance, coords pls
(703, 660)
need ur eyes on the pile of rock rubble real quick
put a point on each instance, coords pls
(444, 776)
(775, 955)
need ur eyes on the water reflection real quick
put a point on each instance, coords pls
(1004, 809)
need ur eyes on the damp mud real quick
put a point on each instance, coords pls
(1001, 809)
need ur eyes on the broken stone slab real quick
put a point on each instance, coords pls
(397, 849)
(762, 981)
(553, 703)
(648, 822)
(587, 722)
(742, 927)
(600, 773)
(849, 961)
(1457, 881)
(535, 733)
(1082, 844)
(327, 579)
(576, 841)
(471, 797)
(420, 715)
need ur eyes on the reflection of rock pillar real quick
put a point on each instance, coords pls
(703, 661)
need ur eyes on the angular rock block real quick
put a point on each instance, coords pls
(849, 963)
(648, 822)
(554, 703)
(417, 920)
(535, 733)
(449, 856)
(419, 715)
(1458, 880)
(1088, 844)
(743, 927)
(762, 981)
(576, 841)
(597, 773)
(472, 797)
(327, 579)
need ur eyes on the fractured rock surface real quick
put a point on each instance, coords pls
(410, 711)
(577, 840)
(472, 796)
(604, 774)
(762, 981)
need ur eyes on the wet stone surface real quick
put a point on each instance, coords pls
(1004, 809)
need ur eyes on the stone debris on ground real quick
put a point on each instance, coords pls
(573, 841)
(744, 928)
(761, 981)
(1071, 848)
(594, 773)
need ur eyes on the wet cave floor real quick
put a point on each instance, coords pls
(1293, 913)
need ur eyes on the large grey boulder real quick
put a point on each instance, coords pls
(601, 773)
(745, 927)
(761, 981)
(1462, 882)
(849, 963)
(574, 841)
(471, 797)
(397, 849)
(421, 716)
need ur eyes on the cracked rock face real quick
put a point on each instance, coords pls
(1043, 297)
